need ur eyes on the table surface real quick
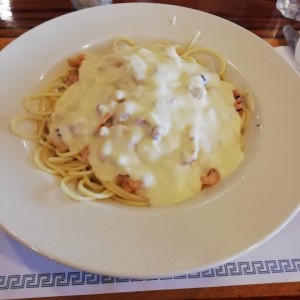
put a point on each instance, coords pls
(259, 16)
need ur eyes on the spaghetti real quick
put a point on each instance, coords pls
(81, 180)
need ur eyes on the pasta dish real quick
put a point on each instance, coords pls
(140, 124)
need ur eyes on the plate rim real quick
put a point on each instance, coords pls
(152, 273)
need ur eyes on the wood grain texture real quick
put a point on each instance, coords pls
(260, 17)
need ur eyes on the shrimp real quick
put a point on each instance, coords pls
(85, 153)
(238, 102)
(73, 74)
(76, 61)
(211, 178)
(72, 77)
(127, 184)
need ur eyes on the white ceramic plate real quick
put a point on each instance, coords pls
(224, 222)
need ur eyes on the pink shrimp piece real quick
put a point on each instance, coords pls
(211, 178)
(76, 61)
(72, 77)
(85, 153)
(75, 64)
(238, 102)
(127, 184)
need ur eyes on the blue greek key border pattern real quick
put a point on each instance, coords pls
(76, 278)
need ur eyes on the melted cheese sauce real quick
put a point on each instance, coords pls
(171, 121)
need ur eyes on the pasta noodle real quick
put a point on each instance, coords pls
(78, 179)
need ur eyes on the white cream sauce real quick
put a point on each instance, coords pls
(173, 120)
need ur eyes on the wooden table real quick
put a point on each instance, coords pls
(259, 16)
